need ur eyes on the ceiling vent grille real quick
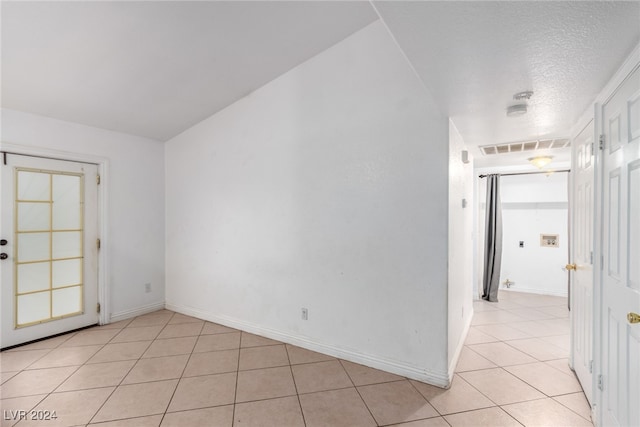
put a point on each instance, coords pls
(518, 147)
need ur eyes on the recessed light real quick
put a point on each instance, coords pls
(517, 110)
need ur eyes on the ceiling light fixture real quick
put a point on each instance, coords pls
(517, 110)
(540, 161)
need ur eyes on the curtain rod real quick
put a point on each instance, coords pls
(530, 173)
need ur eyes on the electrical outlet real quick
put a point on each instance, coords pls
(305, 314)
(147, 287)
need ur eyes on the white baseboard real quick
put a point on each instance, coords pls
(388, 365)
(535, 291)
(460, 346)
(127, 314)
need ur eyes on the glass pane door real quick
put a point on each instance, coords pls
(49, 227)
(49, 239)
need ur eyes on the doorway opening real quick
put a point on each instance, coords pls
(535, 212)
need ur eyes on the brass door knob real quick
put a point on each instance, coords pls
(571, 267)
(633, 317)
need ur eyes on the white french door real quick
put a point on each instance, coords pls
(620, 344)
(48, 227)
(582, 257)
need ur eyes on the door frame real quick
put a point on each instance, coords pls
(587, 119)
(103, 205)
(630, 64)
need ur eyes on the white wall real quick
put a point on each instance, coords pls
(531, 205)
(135, 192)
(460, 306)
(324, 189)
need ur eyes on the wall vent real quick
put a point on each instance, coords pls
(518, 147)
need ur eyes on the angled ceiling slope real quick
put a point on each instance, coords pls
(474, 56)
(156, 68)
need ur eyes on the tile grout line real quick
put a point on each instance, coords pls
(181, 373)
(531, 385)
(575, 412)
(235, 390)
(425, 398)
(295, 385)
(125, 375)
(360, 394)
(69, 376)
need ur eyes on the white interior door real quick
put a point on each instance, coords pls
(50, 266)
(620, 396)
(582, 257)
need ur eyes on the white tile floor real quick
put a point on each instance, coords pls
(167, 369)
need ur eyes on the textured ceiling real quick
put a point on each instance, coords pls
(155, 68)
(474, 56)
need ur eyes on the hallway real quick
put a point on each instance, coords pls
(167, 369)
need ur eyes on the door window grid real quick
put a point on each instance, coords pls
(60, 292)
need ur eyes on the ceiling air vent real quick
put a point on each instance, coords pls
(518, 147)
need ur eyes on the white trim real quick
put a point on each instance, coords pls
(456, 355)
(585, 119)
(104, 290)
(128, 314)
(103, 208)
(536, 291)
(597, 265)
(589, 117)
(388, 365)
(598, 245)
(625, 70)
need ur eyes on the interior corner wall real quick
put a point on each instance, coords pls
(135, 191)
(461, 245)
(325, 189)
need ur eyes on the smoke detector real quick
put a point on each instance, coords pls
(517, 110)
(520, 108)
(523, 95)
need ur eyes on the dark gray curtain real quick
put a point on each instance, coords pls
(492, 240)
